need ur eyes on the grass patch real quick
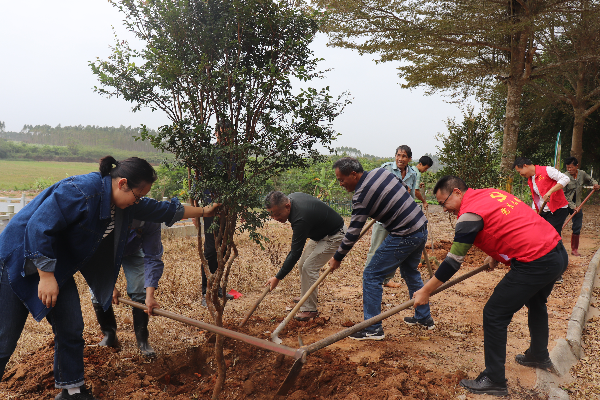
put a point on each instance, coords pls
(37, 175)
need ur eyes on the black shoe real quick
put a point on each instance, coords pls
(203, 303)
(426, 323)
(528, 361)
(559, 281)
(85, 394)
(368, 335)
(108, 326)
(484, 385)
(140, 327)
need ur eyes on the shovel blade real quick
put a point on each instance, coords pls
(291, 377)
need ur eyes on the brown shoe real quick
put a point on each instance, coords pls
(306, 315)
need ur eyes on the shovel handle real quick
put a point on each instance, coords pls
(254, 306)
(429, 269)
(542, 207)
(360, 326)
(275, 334)
(264, 344)
(578, 208)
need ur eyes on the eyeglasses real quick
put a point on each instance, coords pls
(137, 198)
(443, 204)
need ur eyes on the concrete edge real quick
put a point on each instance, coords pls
(179, 231)
(567, 351)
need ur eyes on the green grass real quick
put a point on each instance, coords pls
(37, 175)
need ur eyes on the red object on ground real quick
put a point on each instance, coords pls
(235, 294)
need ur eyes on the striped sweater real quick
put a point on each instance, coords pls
(380, 195)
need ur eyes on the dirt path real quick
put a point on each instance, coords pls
(410, 363)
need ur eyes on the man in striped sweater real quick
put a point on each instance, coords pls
(512, 233)
(380, 195)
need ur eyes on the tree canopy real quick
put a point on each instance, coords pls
(232, 77)
(464, 46)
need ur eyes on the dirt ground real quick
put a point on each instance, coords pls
(411, 363)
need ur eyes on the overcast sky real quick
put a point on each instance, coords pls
(45, 79)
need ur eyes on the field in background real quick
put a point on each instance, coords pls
(28, 175)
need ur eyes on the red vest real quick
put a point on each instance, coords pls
(544, 184)
(511, 229)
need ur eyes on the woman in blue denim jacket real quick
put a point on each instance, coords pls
(77, 224)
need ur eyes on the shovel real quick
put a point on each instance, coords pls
(578, 209)
(263, 344)
(301, 359)
(275, 334)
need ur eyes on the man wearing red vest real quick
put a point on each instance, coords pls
(546, 184)
(512, 233)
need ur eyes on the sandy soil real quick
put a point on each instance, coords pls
(411, 363)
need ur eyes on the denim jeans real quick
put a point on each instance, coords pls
(67, 325)
(395, 251)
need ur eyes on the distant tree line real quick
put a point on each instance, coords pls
(123, 137)
(12, 150)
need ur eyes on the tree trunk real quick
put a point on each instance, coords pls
(220, 360)
(577, 140)
(511, 124)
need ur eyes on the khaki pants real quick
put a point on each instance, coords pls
(314, 256)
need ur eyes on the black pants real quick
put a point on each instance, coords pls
(210, 252)
(557, 218)
(526, 284)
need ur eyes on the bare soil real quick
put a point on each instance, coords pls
(411, 363)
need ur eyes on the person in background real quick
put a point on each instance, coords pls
(143, 266)
(424, 164)
(578, 179)
(311, 219)
(546, 185)
(78, 224)
(380, 195)
(511, 233)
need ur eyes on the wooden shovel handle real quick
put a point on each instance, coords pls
(255, 306)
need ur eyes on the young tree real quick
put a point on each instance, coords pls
(223, 72)
(446, 44)
(471, 150)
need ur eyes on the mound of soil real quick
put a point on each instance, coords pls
(252, 374)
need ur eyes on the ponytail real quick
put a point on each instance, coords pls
(106, 165)
(136, 170)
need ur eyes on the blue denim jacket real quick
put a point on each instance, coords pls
(61, 229)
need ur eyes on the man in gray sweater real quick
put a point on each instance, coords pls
(310, 219)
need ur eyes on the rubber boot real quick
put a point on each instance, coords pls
(575, 245)
(140, 327)
(108, 326)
